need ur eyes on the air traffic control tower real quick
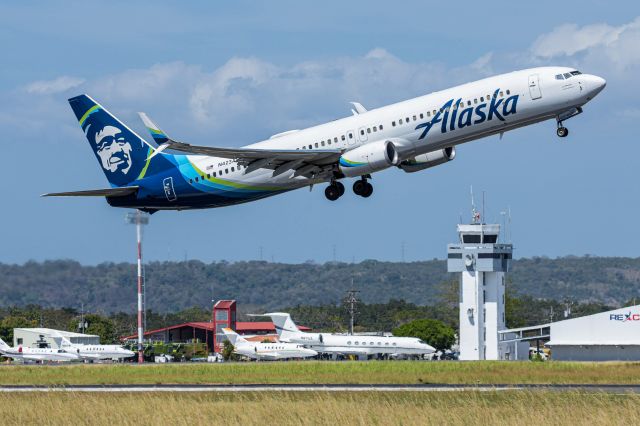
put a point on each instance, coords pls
(482, 263)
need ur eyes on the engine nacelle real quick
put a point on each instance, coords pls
(430, 159)
(369, 158)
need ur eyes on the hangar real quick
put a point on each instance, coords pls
(210, 332)
(606, 336)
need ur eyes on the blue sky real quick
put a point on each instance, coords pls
(232, 73)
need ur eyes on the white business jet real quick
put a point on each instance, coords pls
(343, 344)
(36, 354)
(266, 351)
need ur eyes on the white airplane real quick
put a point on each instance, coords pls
(93, 352)
(344, 344)
(266, 351)
(36, 354)
(412, 135)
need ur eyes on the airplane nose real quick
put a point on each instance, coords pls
(599, 82)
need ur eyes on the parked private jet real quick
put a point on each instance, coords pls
(412, 135)
(93, 352)
(345, 344)
(36, 354)
(266, 351)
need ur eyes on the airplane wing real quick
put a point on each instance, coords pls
(304, 162)
(107, 192)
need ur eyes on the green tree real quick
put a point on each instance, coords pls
(10, 322)
(227, 350)
(433, 332)
(98, 325)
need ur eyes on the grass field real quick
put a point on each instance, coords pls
(373, 372)
(348, 408)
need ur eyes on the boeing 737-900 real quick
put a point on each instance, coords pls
(412, 135)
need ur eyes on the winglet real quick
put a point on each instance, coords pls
(358, 108)
(158, 135)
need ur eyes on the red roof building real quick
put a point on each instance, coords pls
(224, 315)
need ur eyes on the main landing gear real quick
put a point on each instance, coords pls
(362, 188)
(334, 191)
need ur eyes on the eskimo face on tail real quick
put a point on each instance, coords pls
(113, 149)
(121, 153)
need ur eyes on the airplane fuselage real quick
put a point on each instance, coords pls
(407, 131)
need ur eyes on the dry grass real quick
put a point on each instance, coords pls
(348, 408)
(374, 372)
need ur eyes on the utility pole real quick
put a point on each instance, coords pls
(139, 218)
(351, 303)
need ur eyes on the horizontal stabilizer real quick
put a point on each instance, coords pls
(107, 192)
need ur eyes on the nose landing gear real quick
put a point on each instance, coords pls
(334, 191)
(362, 188)
(562, 131)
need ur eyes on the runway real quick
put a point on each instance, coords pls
(607, 388)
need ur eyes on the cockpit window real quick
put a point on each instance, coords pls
(567, 75)
(559, 77)
(575, 73)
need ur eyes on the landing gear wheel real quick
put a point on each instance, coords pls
(340, 187)
(368, 190)
(562, 131)
(332, 192)
(358, 186)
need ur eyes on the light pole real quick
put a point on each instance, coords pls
(139, 218)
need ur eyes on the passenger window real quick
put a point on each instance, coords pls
(322, 143)
(343, 138)
(362, 132)
(428, 113)
(214, 174)
(501, 94)
(375, 129)
(393, 124)
(381, 127)
(468, 103)
(481, 99)
(226, 171)
(407, 120)
(233, 170)
(350, 135)
(208, 175)
(335, 140)
(434, 112)
(190, 180)
(400, 121)
(316, 144)
(310, 146)
(196, 178)
(421, 116)
(368, 129)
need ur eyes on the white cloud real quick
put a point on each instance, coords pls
(570, 39)
(50, 87)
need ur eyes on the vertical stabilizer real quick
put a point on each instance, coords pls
(122, 154)
(285, 327)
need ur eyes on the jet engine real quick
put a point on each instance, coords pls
(430, 159)
(369, 158)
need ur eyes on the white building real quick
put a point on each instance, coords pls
(43, 337)
(607, 336)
